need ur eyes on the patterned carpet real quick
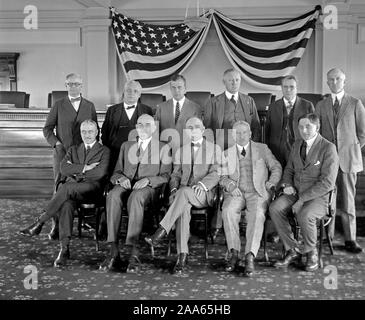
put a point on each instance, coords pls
(204, 280)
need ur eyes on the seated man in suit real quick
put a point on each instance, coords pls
(85, 167)
(308, 178)
(121, 119)
(142, 168)
(192, 183)
(250, 173)
(173, 113)
(281, 126)
(62, 127)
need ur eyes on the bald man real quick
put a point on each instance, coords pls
(342, 120)
(142, 168)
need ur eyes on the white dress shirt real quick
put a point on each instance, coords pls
(144, 143)
(90, 145)
(129, 112)
(239, 147)
(310, 143)
(229, 95)
(338, 95)
(75, 104)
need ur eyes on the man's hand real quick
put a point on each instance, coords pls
(269, 186)
(91, 166)
(236, 193)
(172, 197)
(297, 206)
(289, 191)
(126, 184)
(140, 184)
(198, 190)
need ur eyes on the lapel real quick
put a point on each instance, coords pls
(170, 114)
(184, 113)
(343, 109)
(92, 152)
(221, 103)
(281, 111)
(254, 153)
(69, 107)
(313, 152)
(119, 112)
(244, 106)
(329, 113)
(81, 153)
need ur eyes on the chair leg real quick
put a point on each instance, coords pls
(321, 229)
(97, 223)
(169, 245)
(265, 242)
(206, 236)
(330, 244)
(79, 225)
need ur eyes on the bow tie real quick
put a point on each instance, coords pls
(197, 145)
(75, 99)
(130, 107)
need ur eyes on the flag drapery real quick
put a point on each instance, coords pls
(265, 54)
(151, 54)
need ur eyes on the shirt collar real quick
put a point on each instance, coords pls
(199, 141)
(338, 95)
(311, 141)
(181, 102)
(286, 102)
(128, 105)
(229, 95)
(144, 143)
(90, 145)
(239, 147)
(69, 97)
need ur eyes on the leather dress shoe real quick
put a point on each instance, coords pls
(181, 263)
(291, 256)
(353, 247)
(249, 265)
(312, 261)
(156, 237)
(54, 233)
(232, 262)
(134, 264)
(33, 230)
(62, 257)
(111, 263)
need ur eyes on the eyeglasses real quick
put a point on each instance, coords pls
(141, 125)
(73, 84)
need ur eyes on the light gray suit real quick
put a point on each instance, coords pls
(313, 180)
(265, 169)
(165, 116)
(349, 137)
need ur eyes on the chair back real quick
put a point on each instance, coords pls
(312, 97)
(262, 100)
(199, 97)
(152, 100)
(13, 97)
(55, 96)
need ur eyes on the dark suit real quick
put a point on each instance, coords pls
(349, 137)
(184, 176)
(313, 179)
(153, 163)
(67, 121)
(214, 117)
(165, 116)
(117, 126)
(78, 186)
(278, 123)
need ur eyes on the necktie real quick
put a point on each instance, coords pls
(75, 99)
(87, 150)
(177, 112)
(303, 150)
(233, 100)
(138, 153)
(336, 106)
(243, 152)
(290, 110)
(131, 107)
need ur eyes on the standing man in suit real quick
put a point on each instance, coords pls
(121, 119)
(222, 111)
(192, 183)
(343, 123)
(85, 167)
(250, 175)
(281, 129)
(142, 168)
(173, 113)
(308, 178)
(66, 116)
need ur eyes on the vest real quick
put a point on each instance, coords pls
(246, 173)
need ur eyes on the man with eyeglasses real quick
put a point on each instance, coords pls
(121, 119)
(62, 127)
(143, 167)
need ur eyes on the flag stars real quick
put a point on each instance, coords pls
(175, 34)
(129, 46)
(145, 43)
(164, 35)
(156, 44)
(143, 34)
(126, 37)
(123, 26)
(177, 42)
(158, 50)
(132, 31)
(139, 27)
(186, 30)
(150, 29)
(121, 44)
(134, 39)
(166, 44)
(153, 35)
(148, 50)
(118, 35)
(138, 48)
(115, 24)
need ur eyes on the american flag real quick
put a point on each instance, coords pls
(149, 53)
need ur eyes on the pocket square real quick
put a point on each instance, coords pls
(317, 163)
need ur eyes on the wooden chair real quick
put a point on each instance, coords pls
(13, 97)
(262, 101)
(199, 97)
(202, 215)
(152, 100)
(312, 97)
(54, 96)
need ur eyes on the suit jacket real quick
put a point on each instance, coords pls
(205, 170)
(213, 114)
(350, 133)
(67, 121)
(264, 164)
(156, 166)
(274, 126)
(111, 124)
(73, 164)
(165, 116)
(316, 176)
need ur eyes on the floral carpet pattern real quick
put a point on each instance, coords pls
(342, 276)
